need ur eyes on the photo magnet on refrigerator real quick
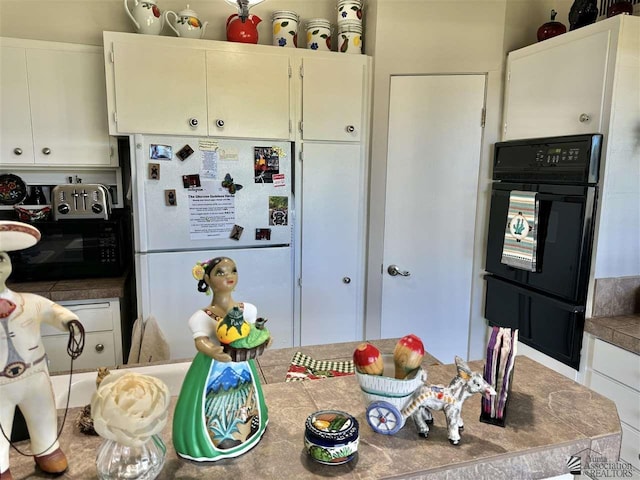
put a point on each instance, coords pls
(263, 234)
(154, 171)
(185, 152)
(278, 210)
(236, 232)
(190, 181)
(160, 152)
(170, 198)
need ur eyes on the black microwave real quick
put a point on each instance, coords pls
(75, 249)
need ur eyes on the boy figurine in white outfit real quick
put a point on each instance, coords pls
(24, 375)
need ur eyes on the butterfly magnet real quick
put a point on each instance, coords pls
(229, 185)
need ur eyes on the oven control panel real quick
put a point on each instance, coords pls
(569, 159)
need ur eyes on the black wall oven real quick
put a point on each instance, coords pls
(547, 304)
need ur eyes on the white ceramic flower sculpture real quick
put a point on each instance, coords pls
(130, 408)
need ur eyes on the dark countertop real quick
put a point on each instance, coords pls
(622, 330)
(70, 290)
(549, 418)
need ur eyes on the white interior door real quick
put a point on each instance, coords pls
(435, 136)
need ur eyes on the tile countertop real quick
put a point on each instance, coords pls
(72, 290)
(621, 330)
(549, 418)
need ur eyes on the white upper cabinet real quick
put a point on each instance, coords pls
(53, 105)
(557, 91)
(158, 89)
(16, 139)
(179, 86)
(248, 95)
(333, 97)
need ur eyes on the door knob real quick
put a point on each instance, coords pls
(219, 123)
(346, 280)
(584, 117)
(193, 122)
(17, 151)
(99, 347)
(393, 270)
(46, 150)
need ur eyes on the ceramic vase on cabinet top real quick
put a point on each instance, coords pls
(319, 34)
(186, 23)
(349, 10)
(582, 12)
(350, 37)
(146, 17)
(285, 28)
(551, 28)
(620, 8)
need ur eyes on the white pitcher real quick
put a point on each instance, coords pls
(186, 23)
(146, 17)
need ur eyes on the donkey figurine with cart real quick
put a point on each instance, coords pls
(392, 401)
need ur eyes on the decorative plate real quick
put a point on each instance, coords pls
(13, 190)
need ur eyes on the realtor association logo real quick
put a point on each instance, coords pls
(595, 465)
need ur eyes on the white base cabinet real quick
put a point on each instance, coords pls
(615, 373)
(103, 340)
(53, 105)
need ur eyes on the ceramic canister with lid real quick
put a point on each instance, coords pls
(350, 36)
(331, 436)
(319, 34)
(349, 10)
(285, 28)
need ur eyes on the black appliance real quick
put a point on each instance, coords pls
(77, 248)
(548, 304)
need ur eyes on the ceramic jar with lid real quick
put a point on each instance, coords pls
(285, 28)
(350, 37)
(319, 34)
(349, 10)
(331, 436)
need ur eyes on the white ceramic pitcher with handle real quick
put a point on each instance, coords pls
(146, 16)
(186, 23)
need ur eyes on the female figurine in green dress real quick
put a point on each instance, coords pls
(221, 411)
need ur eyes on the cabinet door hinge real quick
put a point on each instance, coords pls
(504, 129)
(115, 117)
(112, 56)
(300, 125)
(290, 127)
(302, 70)
(508, 76)
(289, 70)
(300, 281)
(483, 117)
(301, 155)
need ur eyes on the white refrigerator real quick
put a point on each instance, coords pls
(199, 198)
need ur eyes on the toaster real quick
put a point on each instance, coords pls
(80, 200)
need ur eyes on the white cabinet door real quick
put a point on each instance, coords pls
(332, 245)
(332, 98)
(16, 141)
(248, 95)
(160, 89)
(557, 91)
(68, 107)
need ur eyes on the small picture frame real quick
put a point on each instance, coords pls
(184, 153)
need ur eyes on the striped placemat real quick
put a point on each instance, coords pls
(520, 236)
(304, 367)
